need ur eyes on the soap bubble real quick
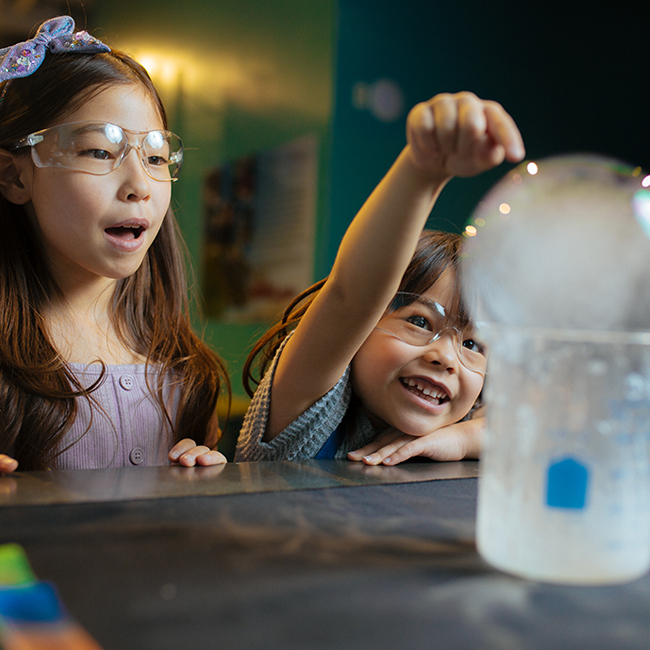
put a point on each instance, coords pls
(563, 242)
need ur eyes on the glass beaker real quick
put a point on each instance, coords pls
(564, 490)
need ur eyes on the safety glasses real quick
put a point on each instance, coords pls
(418, 321)
(100, 148)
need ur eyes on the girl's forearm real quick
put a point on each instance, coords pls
(379, 244)
(373, 256)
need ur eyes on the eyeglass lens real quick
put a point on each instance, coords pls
(419, 321)
(99, 148)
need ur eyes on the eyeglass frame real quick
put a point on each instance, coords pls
(37, 137)
(437, 307)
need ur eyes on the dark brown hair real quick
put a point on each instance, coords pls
(150, 309)
(436, 251)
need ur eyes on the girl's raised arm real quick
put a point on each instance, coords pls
(450, 135)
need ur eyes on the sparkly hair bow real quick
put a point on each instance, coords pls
(56, 35)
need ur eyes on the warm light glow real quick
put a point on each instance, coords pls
(470, 231)
(479, 221)
(150, 63)
(504, 208)
(646, 181)
(222, 78)
(532, 168)
(636, 172)
(162, 68)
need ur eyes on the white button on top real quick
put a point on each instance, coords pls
(127, 382)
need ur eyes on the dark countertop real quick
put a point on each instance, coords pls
(295, 555)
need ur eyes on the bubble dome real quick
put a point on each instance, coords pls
(563, 242)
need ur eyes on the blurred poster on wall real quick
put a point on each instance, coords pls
(259, 225)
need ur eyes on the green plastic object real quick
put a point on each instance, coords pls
(14, 566)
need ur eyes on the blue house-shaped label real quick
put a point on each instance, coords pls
(567, 482)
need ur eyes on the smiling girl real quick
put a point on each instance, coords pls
(378, 362)
(99, 366)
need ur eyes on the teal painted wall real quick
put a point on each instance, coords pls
(420, 47)
(570, 73)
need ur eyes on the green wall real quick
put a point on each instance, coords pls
(236, 78)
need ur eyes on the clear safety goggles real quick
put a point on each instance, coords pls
(100, 148)
(418, 321)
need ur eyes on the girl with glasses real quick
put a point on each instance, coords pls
(99, 366)
(378, 362)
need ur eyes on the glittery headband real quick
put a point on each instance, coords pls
(56, 35)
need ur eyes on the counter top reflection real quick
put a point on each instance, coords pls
(135, 483)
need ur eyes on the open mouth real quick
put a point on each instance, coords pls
(425, 390)
(125, 232)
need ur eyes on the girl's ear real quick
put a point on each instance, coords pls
(11, 185)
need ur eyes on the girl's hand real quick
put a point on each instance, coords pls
(461, 135)
(454, 442)
(188, 454)
(7, 464)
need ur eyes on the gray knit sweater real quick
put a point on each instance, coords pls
(305, 436)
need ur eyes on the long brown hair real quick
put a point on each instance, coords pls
(436, 251)
(150, 309)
